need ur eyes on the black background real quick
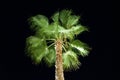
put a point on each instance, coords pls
(96, 14)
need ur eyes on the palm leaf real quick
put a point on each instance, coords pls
(64, 15)
(72, 20)
(55, 17)
(78, 29)
(34, 41)
(70, 60)
(81, 47)
(38, 21)
(38, 54)
(50, 57)
(51, 30)
(36, 48)
(70, 33)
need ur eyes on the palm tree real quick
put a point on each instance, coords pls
(55, 42)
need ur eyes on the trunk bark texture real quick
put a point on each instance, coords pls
(59, 75)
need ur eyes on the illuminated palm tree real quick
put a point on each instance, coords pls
(55, 42)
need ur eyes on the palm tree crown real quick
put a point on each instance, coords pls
(65, 26)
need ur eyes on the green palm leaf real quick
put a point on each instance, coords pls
(55, 17)
(78, 29)
(72, 20)
(50, 57)
(81, 47)
(70, 60)
(38, 21)
(70, 33)
(51, 30)
(64, 15)
(36, 48)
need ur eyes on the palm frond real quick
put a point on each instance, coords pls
(36, 48)
(70, 33)
(72, 20)
(55, 17)
(38, 54)
(51, 30)
(81, 47)
(70, 60)
(66, 33)
(38, 21)
(33, 41)
(64, 15)
(50, 57)
(78, 29)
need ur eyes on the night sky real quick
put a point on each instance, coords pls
(14, 28)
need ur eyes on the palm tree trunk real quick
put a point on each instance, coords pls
(59, 75)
